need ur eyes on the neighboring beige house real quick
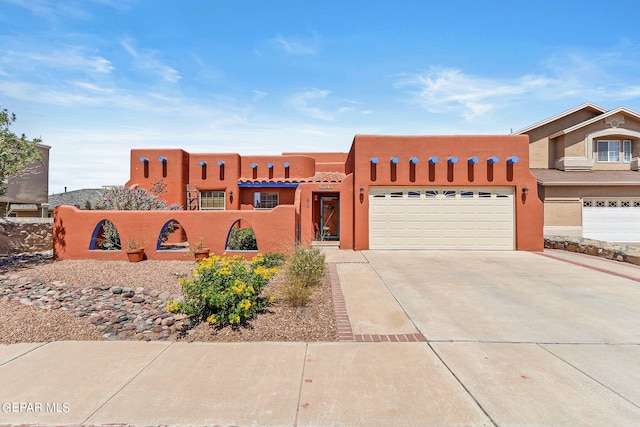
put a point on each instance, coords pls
(586, 160)
(27, 195)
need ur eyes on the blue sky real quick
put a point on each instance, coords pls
(95, 78)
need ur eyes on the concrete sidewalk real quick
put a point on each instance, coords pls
(441, 382)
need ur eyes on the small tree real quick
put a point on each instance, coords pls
(16, 153)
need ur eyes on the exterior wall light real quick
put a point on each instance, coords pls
(452, 160)
(202, 163)
(374, 160)
(414, 160)
(525, 191)
(433, 160)
(513, 160)
(162, 159)
(231, 194)
(220, 163)
(395, 160)
(362, 191)
(144, 159)
(473, 160)
(254, 165)
(270, 165)
(492, 160)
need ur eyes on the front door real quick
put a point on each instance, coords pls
(329, 218)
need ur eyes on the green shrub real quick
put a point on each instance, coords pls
(242, 239)
(306, 266)
(304, 270)
(225, 290)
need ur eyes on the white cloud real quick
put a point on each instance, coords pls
(450, 90)
(146, 60)
(318, 104)
(71, 58)
(293, 46)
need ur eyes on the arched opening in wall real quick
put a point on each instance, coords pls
(105, 237)
(172, 237)
(241, 237)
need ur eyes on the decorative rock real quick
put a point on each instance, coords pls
(168, 321)
(137, 300)
(117, 290)
(128, 292)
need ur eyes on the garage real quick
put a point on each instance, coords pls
(611, 219)
(480, 218)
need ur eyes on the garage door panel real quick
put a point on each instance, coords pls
(441, 218)
(612, 220)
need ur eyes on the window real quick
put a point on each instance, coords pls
(212, 200)
(265, 200)
(627, 151)
(609, 151)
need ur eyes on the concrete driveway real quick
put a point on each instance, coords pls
(533, 340)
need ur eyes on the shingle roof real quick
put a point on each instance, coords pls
(75, 198)
(555, 177)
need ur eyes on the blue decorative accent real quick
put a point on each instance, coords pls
(162, 159)
(144, 159)
(267, 184)
(433, 160)
(374, 160)
(473, 160)
(492, 160)
(202, 163)
(513, 160)
(95, 234)
(452, 160)
(395, 160)
(220, 163)
(254, 165)
(270, 165)
(286, 164)
(414, 160)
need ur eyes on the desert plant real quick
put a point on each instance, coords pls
(242, 239)
(225, 290)
(304, 270)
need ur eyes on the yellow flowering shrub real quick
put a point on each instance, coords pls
(227, 290)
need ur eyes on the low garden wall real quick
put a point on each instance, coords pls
(618, 252)
(75, 230)
(25, 235)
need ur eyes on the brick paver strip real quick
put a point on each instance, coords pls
(601, 270)
(343, 324)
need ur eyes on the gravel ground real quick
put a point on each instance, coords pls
(18, 323)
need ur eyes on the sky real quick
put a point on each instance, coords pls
(96, 78)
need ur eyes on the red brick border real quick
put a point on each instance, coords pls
(343, 325)
(601, 270)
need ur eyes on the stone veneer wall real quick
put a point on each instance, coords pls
(618, 252)
(25, 235)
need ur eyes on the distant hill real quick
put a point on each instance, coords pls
(78, 198)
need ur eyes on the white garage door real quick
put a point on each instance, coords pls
(441, 218)
(612, 220)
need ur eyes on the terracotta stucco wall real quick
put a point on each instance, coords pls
(74, 228)
(528, 209)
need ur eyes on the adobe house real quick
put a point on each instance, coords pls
(586, 161)
(387, 192)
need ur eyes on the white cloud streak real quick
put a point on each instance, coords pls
(146, 60)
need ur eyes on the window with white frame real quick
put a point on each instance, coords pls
(626, 151)
(609, 151)
(212, 200)
(263, 200)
